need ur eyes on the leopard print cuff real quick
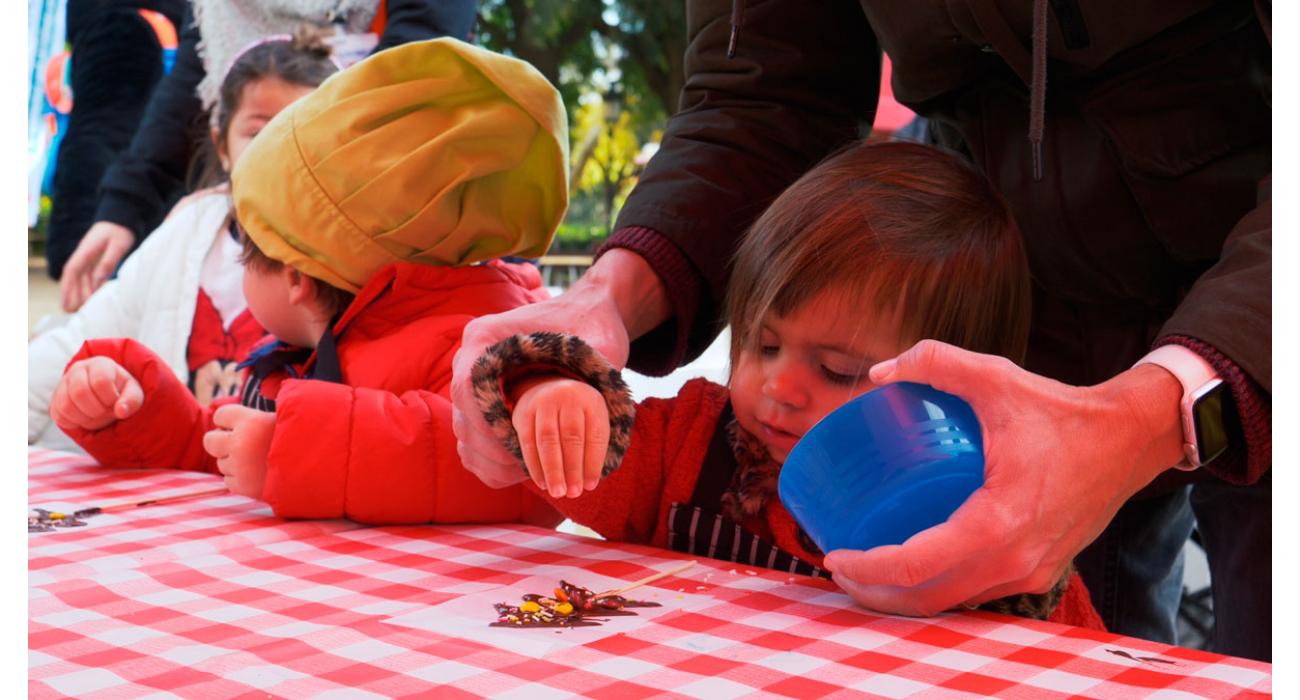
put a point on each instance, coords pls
(568, 355)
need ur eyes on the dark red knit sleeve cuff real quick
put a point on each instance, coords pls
(1254, 408)
(662, 350)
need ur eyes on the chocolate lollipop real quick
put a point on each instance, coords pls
(575, 606)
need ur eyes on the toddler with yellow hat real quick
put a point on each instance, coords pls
(373, 212)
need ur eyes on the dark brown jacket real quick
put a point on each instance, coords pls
(1151, 222)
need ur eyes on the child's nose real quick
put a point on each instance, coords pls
(784, 384)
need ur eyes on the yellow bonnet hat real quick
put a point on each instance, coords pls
(435, 152)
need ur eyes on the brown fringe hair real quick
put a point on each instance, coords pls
(897, 226)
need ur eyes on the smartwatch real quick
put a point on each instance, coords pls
(1207, 410)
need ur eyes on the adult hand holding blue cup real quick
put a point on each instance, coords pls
(881, 468)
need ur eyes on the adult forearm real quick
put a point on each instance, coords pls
(1144, 403)
(631, 283)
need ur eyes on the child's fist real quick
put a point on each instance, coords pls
(563, 428)
(241, 442)
(93, 394)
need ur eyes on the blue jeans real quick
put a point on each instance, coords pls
(1134, 570)
(1236, 524)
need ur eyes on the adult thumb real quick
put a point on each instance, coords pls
(942, 366)
(129, 399)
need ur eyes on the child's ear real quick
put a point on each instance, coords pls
(223, 154)
(302, 288)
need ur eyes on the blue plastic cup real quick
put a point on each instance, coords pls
(883, 467)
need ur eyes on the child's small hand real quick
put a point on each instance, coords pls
(95, 393)
(563, 427)
(241, 443)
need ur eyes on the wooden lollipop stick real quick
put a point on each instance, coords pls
(84, 512)
(649, 579)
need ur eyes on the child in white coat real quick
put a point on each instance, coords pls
(181, 293)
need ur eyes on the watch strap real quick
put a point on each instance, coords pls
(1193, 372)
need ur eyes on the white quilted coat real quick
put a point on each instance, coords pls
(152, 300)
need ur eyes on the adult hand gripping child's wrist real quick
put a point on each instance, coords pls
(93, 394)
(618, 298)
(1059, 462)
(241, 443)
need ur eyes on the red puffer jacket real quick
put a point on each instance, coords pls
(377, 448)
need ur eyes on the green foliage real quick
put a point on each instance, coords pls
(652, 37)
(637, 46)
(555, 36)
(604, 152)
(619, 66)
(38, 236)
(615, 147)
(578, 238)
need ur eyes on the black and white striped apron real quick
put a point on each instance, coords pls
(699, 528)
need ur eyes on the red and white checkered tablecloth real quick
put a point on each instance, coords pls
(214, 597)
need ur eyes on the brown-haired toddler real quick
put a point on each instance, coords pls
(876, 248)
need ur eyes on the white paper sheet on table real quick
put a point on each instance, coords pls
(470, 616)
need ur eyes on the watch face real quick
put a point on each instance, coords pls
(1210, 413)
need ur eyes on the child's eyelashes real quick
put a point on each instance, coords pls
(840, 379)
(771, 350)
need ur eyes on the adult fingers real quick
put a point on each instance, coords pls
(894, 600)
(597, 444)
(114, 250)
(907, 589)
(572, 424)
(497, 475)
(70, 295)
(943, 366)
(65, 288)
(940, 567)
(77, 267)
(961, 543)
(942, 593)
(85, 287)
